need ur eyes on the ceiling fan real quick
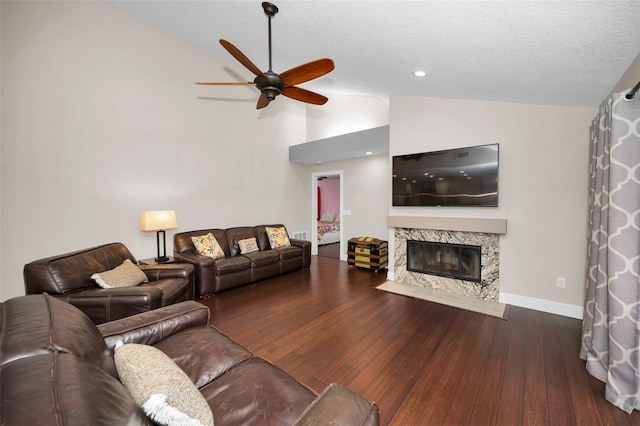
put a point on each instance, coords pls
(271, 84)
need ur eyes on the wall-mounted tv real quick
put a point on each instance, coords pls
(453, 177)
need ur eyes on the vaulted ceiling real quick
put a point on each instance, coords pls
(545, 52)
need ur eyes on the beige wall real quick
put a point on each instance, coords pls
(543, 183)
(365, 182)
(345, 114)
(101, 121)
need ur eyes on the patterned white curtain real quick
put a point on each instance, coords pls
(611, 327)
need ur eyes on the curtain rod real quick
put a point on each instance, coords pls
(632, 93)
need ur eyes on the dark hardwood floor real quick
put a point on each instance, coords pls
(421, 362)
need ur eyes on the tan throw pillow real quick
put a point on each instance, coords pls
(164, 392)
(207, 245)
(248, 246)
(278, 237)
(126, 275)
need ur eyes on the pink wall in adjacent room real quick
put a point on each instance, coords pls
(330, 198)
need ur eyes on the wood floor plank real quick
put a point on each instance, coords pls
(464, 397)
(535, 405)
(423, 363)
(558, 392)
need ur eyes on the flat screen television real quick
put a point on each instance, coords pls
(453, 177)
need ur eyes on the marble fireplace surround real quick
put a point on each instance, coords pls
(484, 232)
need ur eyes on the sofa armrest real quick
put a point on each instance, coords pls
(151, 327)
(306, 251)
(341, 406)
(108, 304)
(194, 258)
(205, 271)
(172, 270)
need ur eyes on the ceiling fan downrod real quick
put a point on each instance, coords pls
(270, 10)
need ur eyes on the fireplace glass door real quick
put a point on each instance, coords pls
(444, 259)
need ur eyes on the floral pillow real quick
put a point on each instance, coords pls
(207, 245)
(278, 237)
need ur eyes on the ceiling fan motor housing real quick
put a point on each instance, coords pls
(270, 84)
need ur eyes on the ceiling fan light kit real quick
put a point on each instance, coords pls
(272, 84)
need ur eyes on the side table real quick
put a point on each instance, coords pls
(152, 261)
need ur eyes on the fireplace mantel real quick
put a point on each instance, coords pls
(484, 225)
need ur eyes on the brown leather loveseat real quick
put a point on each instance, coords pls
(58, 368)
(236, 269)
(68, 276)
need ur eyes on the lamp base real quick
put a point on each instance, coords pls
(162, 259)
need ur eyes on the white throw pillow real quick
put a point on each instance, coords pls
(163, 391)
(248, 245)
(126, 275)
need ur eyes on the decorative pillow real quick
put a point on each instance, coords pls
(328, 217)
(165, 392)
(207, 245)
(278, 237)
(248, 246)
(126, 275)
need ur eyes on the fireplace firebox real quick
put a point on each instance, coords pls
(444, 259)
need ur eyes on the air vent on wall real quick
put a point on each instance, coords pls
(302, 235)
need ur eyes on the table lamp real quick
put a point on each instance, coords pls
(159, 221)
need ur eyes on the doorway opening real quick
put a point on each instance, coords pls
(327, 236)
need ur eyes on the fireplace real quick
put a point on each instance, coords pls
(459, 261)
(486, 288)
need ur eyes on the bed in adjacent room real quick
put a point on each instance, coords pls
(328, 229)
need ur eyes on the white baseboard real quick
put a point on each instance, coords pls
(557, 308)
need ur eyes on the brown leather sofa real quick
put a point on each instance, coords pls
(68, 276)
(236, 269)
(57, 368)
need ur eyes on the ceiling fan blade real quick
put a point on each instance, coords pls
(236, 53)
(210, 83)
(263, 101)
(304, 95)
(306, 72)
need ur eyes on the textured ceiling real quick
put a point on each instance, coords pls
(539, 51)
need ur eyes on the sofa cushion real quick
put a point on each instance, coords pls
(124, 275)
(236, 234)
(216, 353)
(207, 245)
(41, 324)
(232, 264)
(277, 237)
(263, 258)
(160, 387)
(262, 394)
(290, 252)
(62, 389)
(173, 290)
(248, 245)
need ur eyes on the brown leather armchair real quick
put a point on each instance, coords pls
(68, 276)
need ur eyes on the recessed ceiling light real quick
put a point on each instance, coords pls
(368, 153)
(318, 162)
(419, 73)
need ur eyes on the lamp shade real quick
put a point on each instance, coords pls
(158, 220)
